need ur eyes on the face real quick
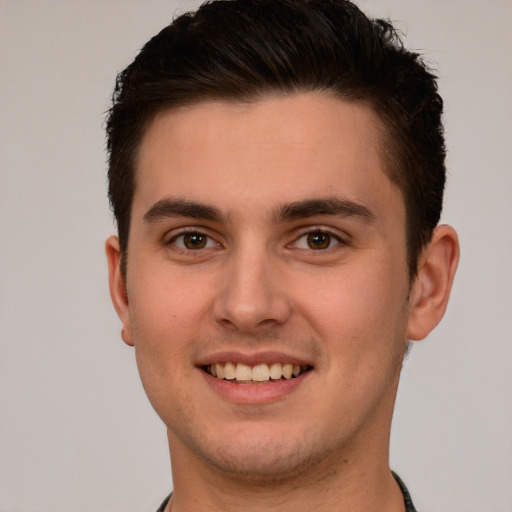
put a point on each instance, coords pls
(267, 245)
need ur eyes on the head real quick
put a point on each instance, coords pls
(276, 171)
(246, 50)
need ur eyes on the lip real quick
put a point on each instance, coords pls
(257, 393)
(252, 359)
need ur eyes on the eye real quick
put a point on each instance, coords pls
(317, 240)
(193, 241)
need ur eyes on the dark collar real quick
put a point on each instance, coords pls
(409, 506)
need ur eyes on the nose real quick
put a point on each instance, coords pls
(252, 295)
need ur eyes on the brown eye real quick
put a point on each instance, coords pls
(318, 240)
(194, 241)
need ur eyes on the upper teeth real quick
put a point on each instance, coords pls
(259, 373)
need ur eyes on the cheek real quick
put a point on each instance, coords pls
(165, 304)
(162, 351)
(360, 309)
(163, 316)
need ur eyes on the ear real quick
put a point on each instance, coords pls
(117, 285)
(433, 282)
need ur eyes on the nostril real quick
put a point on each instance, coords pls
(249, 299)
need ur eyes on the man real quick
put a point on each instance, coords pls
(277, 172)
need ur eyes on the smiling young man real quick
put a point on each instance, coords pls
(277, 173)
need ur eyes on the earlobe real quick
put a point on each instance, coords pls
(117, 286)
(433, 283)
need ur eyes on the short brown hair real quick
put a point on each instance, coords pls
(241, 50)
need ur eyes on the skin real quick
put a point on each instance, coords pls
(258, 288)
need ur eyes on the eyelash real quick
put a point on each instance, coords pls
(191, 233)
(333, 240)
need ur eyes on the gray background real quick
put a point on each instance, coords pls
(76, 431)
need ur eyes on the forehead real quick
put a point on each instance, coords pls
(274, 150)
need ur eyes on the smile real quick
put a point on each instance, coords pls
(243, 373)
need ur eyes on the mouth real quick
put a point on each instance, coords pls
(264, 373)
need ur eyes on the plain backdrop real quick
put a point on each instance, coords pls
(76, 431)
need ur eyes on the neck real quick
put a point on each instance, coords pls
(342, 484)
(351, 477)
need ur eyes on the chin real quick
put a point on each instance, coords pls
(261, 469)
(264, 461)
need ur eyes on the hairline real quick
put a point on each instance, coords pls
(384, 138)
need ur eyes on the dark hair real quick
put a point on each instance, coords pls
(242, 50)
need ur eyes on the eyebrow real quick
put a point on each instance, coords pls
(170, 207)
(328, 206)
